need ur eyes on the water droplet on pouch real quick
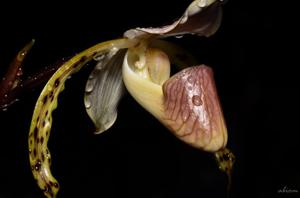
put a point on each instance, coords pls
(190, 79)
(196, 99)
(185, 115)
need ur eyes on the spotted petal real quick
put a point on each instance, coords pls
(39, 155)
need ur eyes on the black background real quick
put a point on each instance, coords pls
(138, 157)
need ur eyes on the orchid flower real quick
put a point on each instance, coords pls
(186, 103)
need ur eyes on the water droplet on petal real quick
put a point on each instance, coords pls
(179, 36)
(91, 76)
(196, 100)
(89, 86)
(185, 115)
(202, 3)
(99, 57)
(87, 104)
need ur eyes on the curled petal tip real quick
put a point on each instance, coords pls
(202, 18)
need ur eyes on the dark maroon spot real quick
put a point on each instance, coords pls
(51, 94)
(38, 118)
(37, 166)
(44, 123)
(34, 152)
(43, 157)
(46, 113)
(56, 82)
(82, 59)
(75, 65)
(48, 190)
(56, 185)
(42, 140)
(45, 99)
(47, 133)
(53, 184)
(94, 54)
(35, 133)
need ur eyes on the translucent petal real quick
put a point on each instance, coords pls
(104, 90)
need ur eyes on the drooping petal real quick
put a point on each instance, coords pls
(39, 154)
(202, 17)
(104, 90)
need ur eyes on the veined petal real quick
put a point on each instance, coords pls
(202, 17)
(104, 90)
(192, 109)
